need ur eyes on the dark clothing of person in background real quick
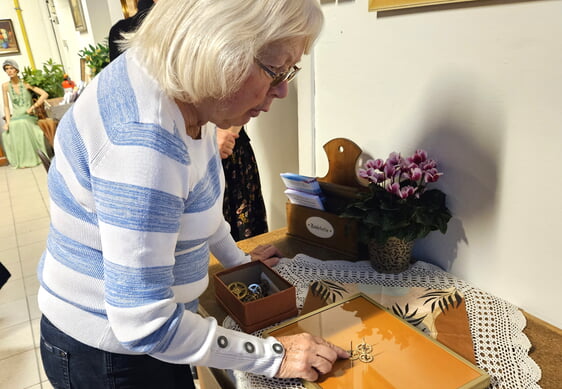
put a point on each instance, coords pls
(243, 206)
(127, 25)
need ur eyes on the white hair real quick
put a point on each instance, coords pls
(199, 49)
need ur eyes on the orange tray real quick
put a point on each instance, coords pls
(403, 357)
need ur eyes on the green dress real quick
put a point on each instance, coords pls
(24, 137)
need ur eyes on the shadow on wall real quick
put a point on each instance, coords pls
(464, 131)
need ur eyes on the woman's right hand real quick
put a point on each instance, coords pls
(308, 356)
(6, 126)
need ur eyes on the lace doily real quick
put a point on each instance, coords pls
(500, 346)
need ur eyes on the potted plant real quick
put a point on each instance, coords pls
(398, 208)
(49, 78)
(96, 57)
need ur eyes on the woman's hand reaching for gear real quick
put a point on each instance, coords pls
(308, 356)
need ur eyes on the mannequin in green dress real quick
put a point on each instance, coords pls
(21, 137)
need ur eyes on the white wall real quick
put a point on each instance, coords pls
(274, 138)
(479, 85)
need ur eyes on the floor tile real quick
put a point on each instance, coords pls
(33, 237)
(46, 385)
(19, 371)
(42, 375)
(29, 204)
(31, 252)
(11, 260)
(24, 204)
(8, 242)
(13, 313)
(32, 225)
(36, 329)
(16, 340)
(33, 306)
(31, 284)
(6, 204)
(13, 290)
(27, 215)
(7, 228)
(29, 200)
(29, 264)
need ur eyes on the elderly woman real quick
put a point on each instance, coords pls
(136, 200)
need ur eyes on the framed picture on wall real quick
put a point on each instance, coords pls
(384, 5)
(78, 15)
(8, 42)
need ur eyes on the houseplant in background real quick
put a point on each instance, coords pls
(49, 78)
(96, 57)
(398, 208)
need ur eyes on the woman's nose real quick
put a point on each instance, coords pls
(280, 91)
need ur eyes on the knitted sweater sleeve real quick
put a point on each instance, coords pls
(224, 248)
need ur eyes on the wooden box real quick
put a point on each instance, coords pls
(396, 355)
(340, 186)
(255, 315)
(323, 228)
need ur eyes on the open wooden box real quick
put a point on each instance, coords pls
(340, 186)
(255, 315)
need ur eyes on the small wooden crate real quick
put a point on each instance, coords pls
(322, 228)
(255, 315)
(340, 186)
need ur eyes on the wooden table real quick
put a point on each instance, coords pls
(546, 339)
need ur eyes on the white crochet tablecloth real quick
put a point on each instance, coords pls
(500, 347)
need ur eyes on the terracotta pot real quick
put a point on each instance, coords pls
(395, 256)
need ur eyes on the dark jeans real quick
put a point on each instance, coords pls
(71, 364)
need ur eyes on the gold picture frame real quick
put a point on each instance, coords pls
(386, 5)
(8, 41)
(385, 346)
(129, 8)
(78, 15)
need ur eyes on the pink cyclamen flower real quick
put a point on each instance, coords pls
(363, 173)
(394, 159)
(415, 173)
(418, 157)
(429, 164)
(393, 188)
(372, 175)
(374, 164)
(391, 170)
(403, 193)
(432, 175)
(407, 191)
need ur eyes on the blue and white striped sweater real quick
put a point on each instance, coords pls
(136, 206)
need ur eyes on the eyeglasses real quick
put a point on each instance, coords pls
(278, 78)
